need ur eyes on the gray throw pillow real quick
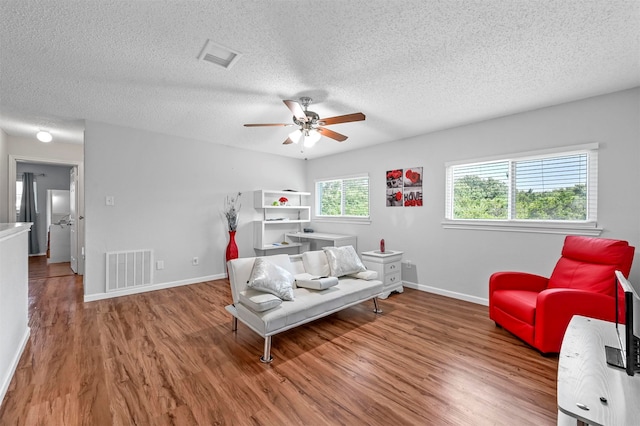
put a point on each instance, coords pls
(343, 261)
(270, 278)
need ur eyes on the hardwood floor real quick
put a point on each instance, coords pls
(169, 357)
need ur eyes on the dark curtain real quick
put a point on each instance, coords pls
(28, 211)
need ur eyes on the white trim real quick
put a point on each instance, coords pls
(342, 177)
(365, 220)
(343, 219)
(587, 227)
(573, 228)
(447, 293)
(144, 289)
(527, 154)
(14, 364)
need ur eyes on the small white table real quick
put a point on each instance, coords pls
(584, 377)
(388, 266)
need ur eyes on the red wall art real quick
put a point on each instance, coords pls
(404, 187)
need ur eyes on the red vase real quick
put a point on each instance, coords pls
(232, 248)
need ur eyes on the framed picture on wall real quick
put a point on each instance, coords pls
(395, 188)
(412, 188)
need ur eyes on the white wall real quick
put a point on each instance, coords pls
(459, 262)
(169, 196)
(31, 147)
(4, 177)
(14, 300)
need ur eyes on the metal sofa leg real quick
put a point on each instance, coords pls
(376, 309)
(234, 324)
(266, 357)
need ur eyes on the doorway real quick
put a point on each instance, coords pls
(75, 176)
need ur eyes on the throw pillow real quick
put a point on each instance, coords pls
(343, 261)
(313, 282)
(315, 263)
(258, 301)
(270, 278)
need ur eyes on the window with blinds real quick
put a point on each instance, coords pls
(560, 186)
(343, 198)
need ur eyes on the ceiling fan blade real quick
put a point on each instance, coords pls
(268, 124)
(357, 116)
(296, 109)
(287, 142)
(331, 134)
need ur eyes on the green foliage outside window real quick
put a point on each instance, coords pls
(478, 198)
(331, 198)
(343, 197)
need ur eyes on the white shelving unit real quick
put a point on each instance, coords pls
(278, 220)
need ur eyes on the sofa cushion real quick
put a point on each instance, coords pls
(271, 278)
(343, 261)
(259, 301)
(365, 275)
(316, 263)
(315, 282)
(520, 304)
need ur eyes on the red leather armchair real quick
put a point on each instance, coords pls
(538, 309)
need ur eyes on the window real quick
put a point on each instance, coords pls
(343, 198)
(545, 187)
(19, 196)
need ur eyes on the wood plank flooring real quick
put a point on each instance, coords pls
(169, 357)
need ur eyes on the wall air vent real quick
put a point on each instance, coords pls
(219, 55)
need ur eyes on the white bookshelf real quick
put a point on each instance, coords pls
(278, 220)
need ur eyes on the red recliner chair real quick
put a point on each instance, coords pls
(538, 309)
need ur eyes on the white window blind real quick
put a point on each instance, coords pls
(343, 197)
(558, 186)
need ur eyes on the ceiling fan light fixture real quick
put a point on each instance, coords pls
(44, 136)
(295, 136)
(311, 137)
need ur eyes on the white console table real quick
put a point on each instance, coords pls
(589, 390)
(334, 240)
(388, 266)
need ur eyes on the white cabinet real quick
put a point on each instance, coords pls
(279, 219)
(388, 265)
(59, 243)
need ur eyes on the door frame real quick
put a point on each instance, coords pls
(15, 159)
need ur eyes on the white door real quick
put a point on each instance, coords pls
(73, 222)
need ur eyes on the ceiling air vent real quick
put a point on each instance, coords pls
(219, 55)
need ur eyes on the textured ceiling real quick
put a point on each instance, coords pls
(411, 66)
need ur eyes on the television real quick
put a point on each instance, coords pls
(627, 356)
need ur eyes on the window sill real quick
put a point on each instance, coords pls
(573, 228)
(352, 221)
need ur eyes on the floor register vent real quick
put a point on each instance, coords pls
(127, 269)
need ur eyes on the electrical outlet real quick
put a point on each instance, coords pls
(408, 264)
(195, 261)
(160, 264)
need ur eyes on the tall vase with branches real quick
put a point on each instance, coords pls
(232, 212)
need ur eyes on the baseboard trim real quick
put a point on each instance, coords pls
(14, 364)
(447, 293)
(154, 287)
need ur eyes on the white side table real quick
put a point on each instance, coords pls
(388, 266)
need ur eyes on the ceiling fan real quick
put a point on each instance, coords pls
(310, 124)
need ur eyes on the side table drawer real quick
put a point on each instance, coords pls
(394, 278)
(392, 268)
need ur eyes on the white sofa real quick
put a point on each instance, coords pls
(267, 314)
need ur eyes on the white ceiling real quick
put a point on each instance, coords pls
(411, 66)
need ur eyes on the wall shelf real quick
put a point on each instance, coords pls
(278, 220)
